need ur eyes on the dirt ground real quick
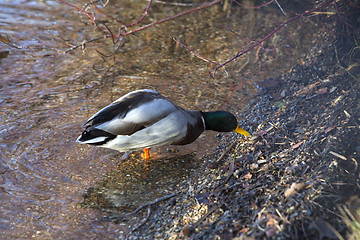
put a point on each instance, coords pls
(300, 166)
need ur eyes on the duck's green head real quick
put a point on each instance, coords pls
(222, 121)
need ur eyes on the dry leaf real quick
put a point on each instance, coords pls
(298, 186)
(307, 90)
(289, 192)
(294, 188)
(297, 145)
(3, 39)
(247, 175)
(321, 91)
(244, 230)
(329, 129)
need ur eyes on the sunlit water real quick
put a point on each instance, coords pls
(46, 95)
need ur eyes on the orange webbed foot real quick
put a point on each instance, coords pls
(146, 154)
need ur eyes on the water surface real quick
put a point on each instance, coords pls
(46, 95)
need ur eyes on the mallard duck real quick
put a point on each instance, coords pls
(144, 118)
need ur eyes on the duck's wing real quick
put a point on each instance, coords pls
(132, 112)
(178, 128)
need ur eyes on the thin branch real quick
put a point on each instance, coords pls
(143, 16)
(260, 6)
(282, 10)
(272, 32)
(107, 15)
(343, 68)
(173, 17)
(7, 42)
(124, 27)
(112, 54)
(178, 4)
(153, 202)
(216, 163)
(143, 221)
(86, 13)
(208, 213)
(252, 41)
(196, 54)
(263, 5)
(341, 18)
(83, 44)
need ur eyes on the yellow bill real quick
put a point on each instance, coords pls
(241, 131)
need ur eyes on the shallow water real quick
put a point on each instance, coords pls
(46, 95)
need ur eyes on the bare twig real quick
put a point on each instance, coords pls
(338, 155)
(153, 202)
(343, 68)
(124, 26)
(282, 10)
(196, 54)
(260, 6)
(178, 4)
(252, 41)
(7, 42)
(341, 18)
(173, 17)
(105, 14)
(83, 44)
(143, 16)
(213, 209)
(231, 171)
(86, 13)
(272, 32)
(216, 163)
(143, 221)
